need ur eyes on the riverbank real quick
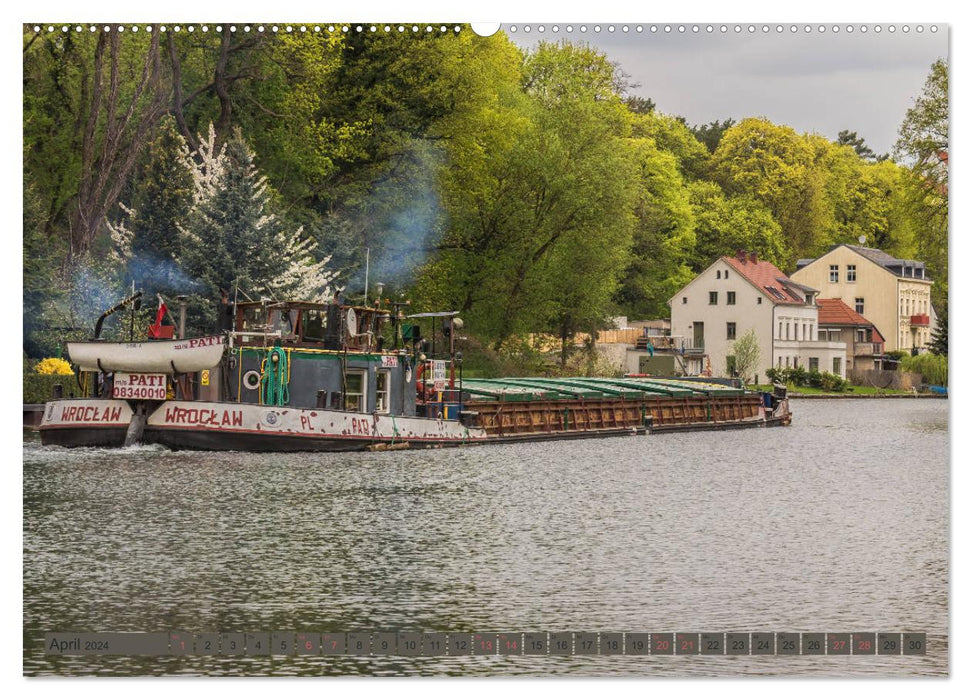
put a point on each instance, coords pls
(854, 392)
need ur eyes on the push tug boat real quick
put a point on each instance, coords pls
(305, 376)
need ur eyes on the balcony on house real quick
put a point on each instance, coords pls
(920, 320)
(867, 349)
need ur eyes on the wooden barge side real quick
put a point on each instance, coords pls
(507, 418)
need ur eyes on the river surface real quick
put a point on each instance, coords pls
(839, 523)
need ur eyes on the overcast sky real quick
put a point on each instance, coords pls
(816, 82)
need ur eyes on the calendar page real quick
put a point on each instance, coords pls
(549, 349)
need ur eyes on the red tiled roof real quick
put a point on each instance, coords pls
(835, 312)
(766, 277)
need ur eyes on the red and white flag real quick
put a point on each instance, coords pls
(155, 330)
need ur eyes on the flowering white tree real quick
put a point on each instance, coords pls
(230, 236)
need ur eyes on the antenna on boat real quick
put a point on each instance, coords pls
(367, 272)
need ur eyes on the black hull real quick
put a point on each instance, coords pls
(84, 437)
(213, 441)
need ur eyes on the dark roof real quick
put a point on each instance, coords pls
(793, 283)
(887, 261)
(767, 278)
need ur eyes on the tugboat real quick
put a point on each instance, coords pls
(312, 376)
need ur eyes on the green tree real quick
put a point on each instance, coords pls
(939, 343)
(233, 239)
(858, 144)
(785, 172)
(664, 235)
(747, 354)
(922, 145)
(537, 190)
(724, 225)
(161, 201)
(670, 135)
(711, 133)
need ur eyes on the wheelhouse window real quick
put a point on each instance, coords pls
(283, 321)
(355, 394)
(253, 319)
(834, 273)
(312, 325)
(382, 392)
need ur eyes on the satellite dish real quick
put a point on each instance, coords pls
(351, 322)
(862, 239)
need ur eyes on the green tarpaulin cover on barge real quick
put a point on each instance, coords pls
(559, 388)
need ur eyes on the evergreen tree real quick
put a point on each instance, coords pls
(938, 344)
(232, 239)
(163, 197)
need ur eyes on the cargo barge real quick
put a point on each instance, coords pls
(305, 376)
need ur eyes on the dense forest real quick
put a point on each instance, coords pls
(534, 192)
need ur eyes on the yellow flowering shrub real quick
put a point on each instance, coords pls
(53, 365)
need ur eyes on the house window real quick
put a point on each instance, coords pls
(787, 360)
(684, 300)
(859, 305)
(718, 275)
(731, 330)
(812, 332)
(838, 366)
(354, 396)
(731, 299)
(726, 274)
(780, 330)
(851, 273)
(382, 392)
(834, 273)
(712, 298)
(787, 335)
(813, 364)
(860, 335)
(759, 301)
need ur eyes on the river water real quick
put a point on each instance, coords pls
(838, 523)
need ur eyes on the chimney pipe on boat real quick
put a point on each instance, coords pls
(181, 299)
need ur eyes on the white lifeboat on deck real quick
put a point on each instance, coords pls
(166, 356)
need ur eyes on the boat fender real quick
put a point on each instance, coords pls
(251, 380)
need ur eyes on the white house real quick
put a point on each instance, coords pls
(739, 293)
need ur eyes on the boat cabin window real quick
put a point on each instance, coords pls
(253, 319)
(284, 321)
(382, 396)
(354, 397)
(312, 325)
